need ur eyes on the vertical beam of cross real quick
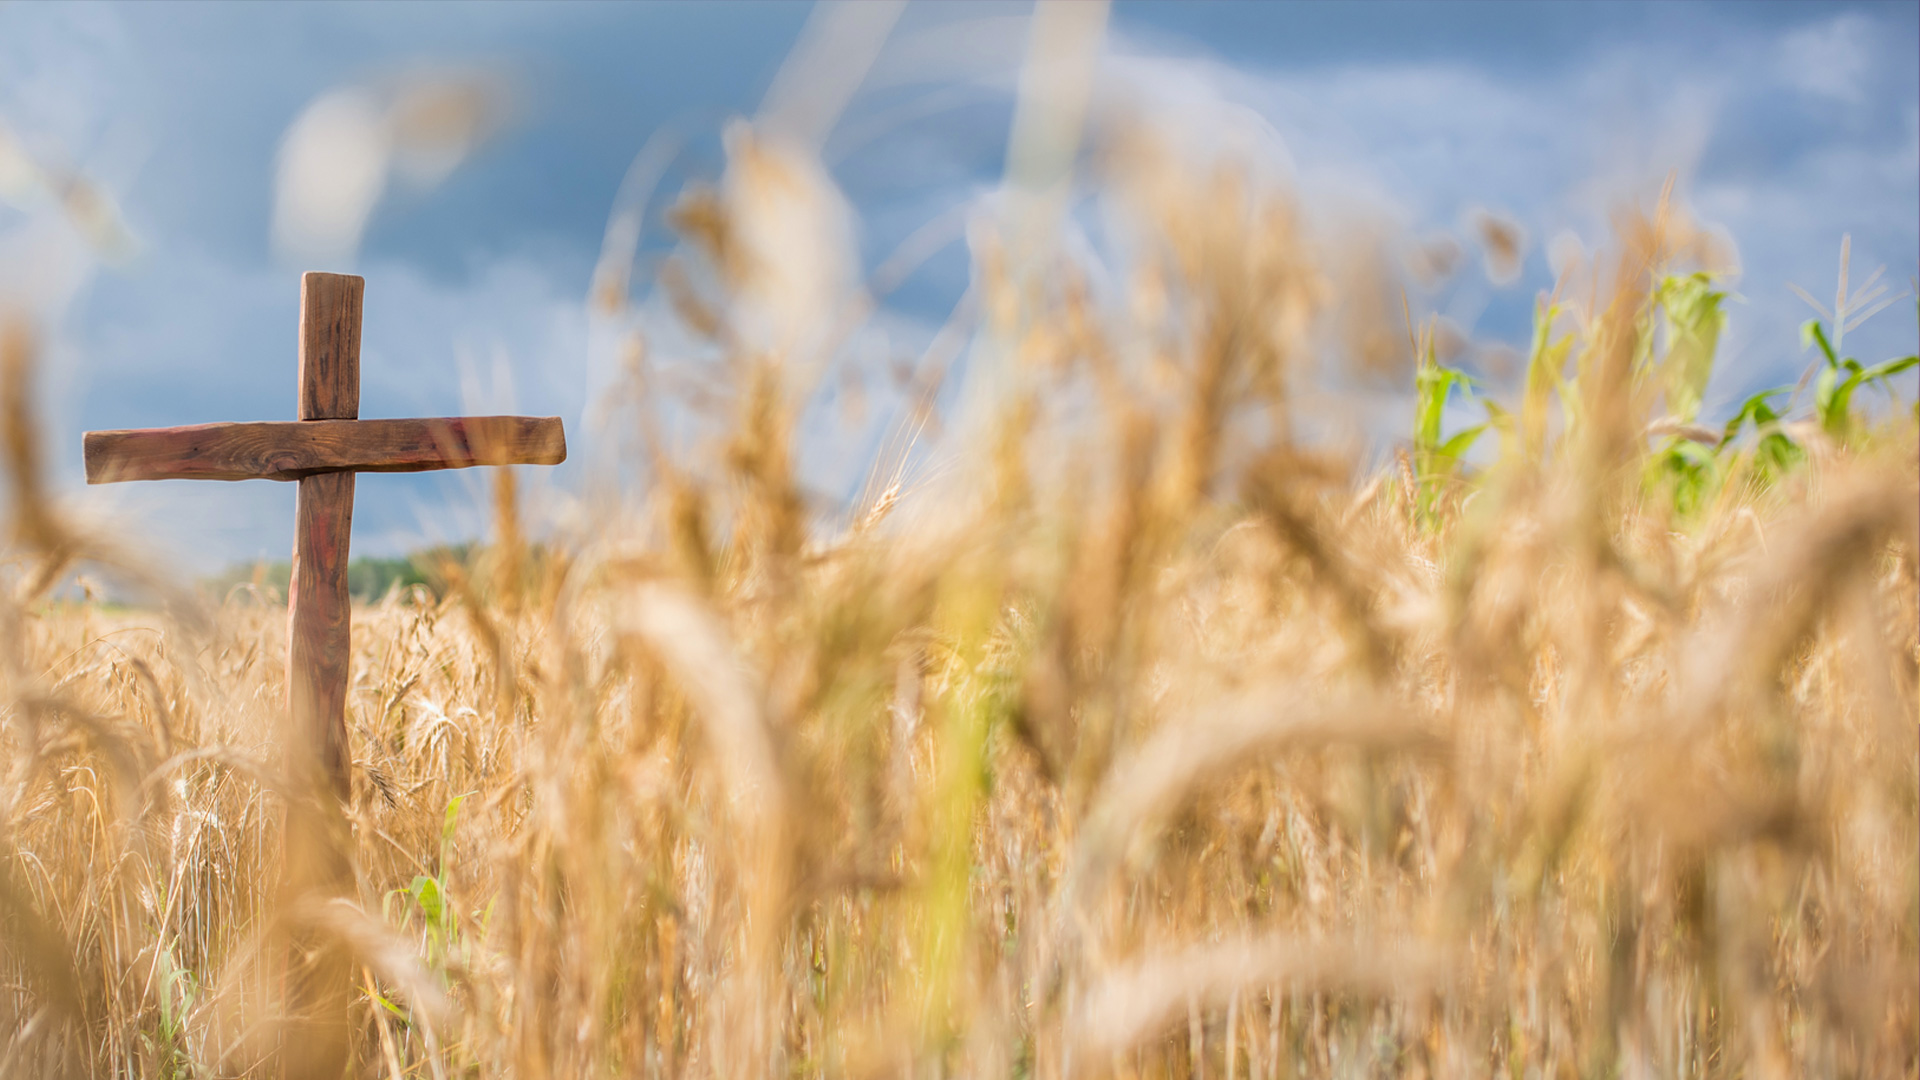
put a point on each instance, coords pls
(318, 610)
(319, 650)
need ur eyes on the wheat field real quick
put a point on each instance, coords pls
(1137, 731)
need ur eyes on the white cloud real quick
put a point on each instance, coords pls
(337, 156)
(1420, 142)
(332, 170)
(1833, 59)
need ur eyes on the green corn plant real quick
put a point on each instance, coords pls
(1694, 319)
(1840, 376)
(176, 993)
(1546, 361)
(1688, 470)
(1774, 451)
(1436, 455)
(429, 894)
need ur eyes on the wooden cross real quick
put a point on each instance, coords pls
(322, 450)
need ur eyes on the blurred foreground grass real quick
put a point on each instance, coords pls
(1149, 737)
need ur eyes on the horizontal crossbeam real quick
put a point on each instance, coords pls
(289, 450)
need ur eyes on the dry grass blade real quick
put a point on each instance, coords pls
(1181, 757)
(375, 945)
(1137, 1002)
(32, 941)
(697, 647)
(1805, 572)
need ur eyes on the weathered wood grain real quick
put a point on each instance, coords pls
(330, 346)
(319, 617)
(318, 621)
(318, 853)
(295, 449)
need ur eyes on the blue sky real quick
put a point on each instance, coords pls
(1789, 126)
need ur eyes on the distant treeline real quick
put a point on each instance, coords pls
(368, 579)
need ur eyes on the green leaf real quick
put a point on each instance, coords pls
(1691, 472)
(1775, 455)
(1436, 456)
(1890, 368)
(1546, 360)
(1824, 386)
(446, 827)
(426, 894)
(1776, 452)
(1836, 404)
(1433, 385)
(1694, 321)
(1461, 442)
(1833, 399)
(376, 997)
(1692, 453)
(1813, 332)
(1757, 409)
